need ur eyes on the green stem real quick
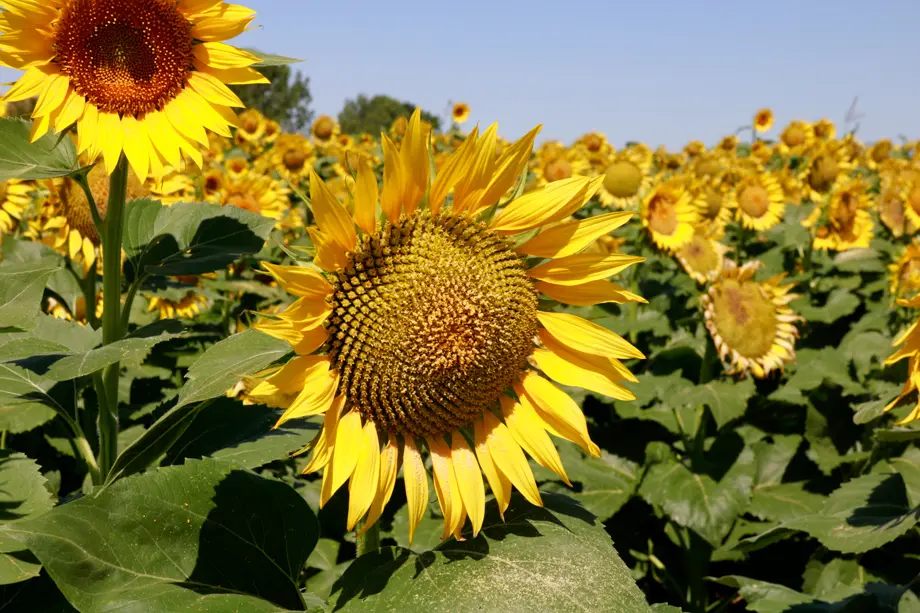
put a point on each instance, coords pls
(706, 365)
(3, 439)
(370, 540)
(112, 330)
(129, 301)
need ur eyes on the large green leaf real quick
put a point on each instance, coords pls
(726, 399)
(556, 558)
(908, 466)
(53, 155)
(206, 536)
(22, 495)
(765, 597)
(324, 559)
(230, 430)
(26, 399)
(817, 366)
(783, 501)
(863, 514)
(190, 238)
(840, 303)
(21, 287)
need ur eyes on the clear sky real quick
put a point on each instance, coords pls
(665, 71)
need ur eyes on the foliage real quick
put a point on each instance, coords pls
(376, 114)
(286, 99)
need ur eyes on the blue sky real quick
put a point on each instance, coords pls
(663, 72)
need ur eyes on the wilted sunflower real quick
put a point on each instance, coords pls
(669, 213)
(846, 220)
(324, 130)
(417, 323)
(144, 77)
(461, 113)
(702, 258)
(904, 274)
(14, 200)
(750, 322)
(909, 341)
(763, 120)
(758, 201)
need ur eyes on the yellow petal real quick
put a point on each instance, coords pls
(40, 127)
(310, 340)
(552, 402)
(554, 202)
(452, 171)
(445, 486)
(366, 198)
(331, 217)
(583, 335)
(113, 137)
(416, 482)
(300, 280)
(609, 367)
(583, 267)
(413, 155)
(589, 294)
(222, 56)
(323, 443)
(498, 482)
(53, 95)
(393, 179)
(530, 433)
(570, 237)
(509, 458)
(30, 84)
(330, 255)
(292, 377)
(471, 186)
(164, 137)
(137, 146)
(213, 89)
(469, 480)
(87, 128)
(389, 466)
(363, 483)
(71, 111)
(344, 455)
(571, 375)
(315, 398)
(508, 169)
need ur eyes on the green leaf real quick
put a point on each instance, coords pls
(863, 514)
(22, 285)
(53, 155)
(324, 559)
(665, 608)
(726, 399)
(783, 501)
(815, 366)
(897, 435)
(225, 363)
(268, 59)
(908, 466)
(764, 597)
(230, 430)
(190, 238)
(216, 371)
(22, 496)
(604, 484)
(557, 558)
(695, 500)
(206, 536)
(773, 457)
(840, 303)
(26, 401)
(427, 534)
(836, 580)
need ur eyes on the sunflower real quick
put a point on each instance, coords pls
(421, 329)
(750, 322)
(324, 130)
(702, 258)
(694, 149)
(569, 163)
(878, 153)
(625, 179)
(78, 314)
(250, 128)
(728, 144)
(846, 220)
(825, 129)
(763, 120)
(761, 151)
(460, 113)
(186, 307)
(255, 192)
(292, 157)
(909, 341)
(828, 167)
(758, 201)
(891, 204)
(715, 208)
(669, 213)
(904, 274)
(796, 137)
(67, 222)
(596, 149)
(15, 198)
(144, 77)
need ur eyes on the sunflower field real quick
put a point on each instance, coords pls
(436, 370)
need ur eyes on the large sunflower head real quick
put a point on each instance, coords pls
(419, 327)
(144, 77)
(750, 322)
(758, 200)
(763, 120)
(669, 213)
(904, 273)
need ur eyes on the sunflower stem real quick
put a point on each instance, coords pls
(112, 330)
(370, 540)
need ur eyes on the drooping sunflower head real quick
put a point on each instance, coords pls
(750, 322)
(827, 168)
(728, 144)
(460, 113)
(763, 120)
(669, 213)
(145, 77)
(419, 326)
(878, 153)
(904, 273)
(758, 200)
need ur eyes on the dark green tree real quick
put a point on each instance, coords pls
(286, 100)
(377, 114)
